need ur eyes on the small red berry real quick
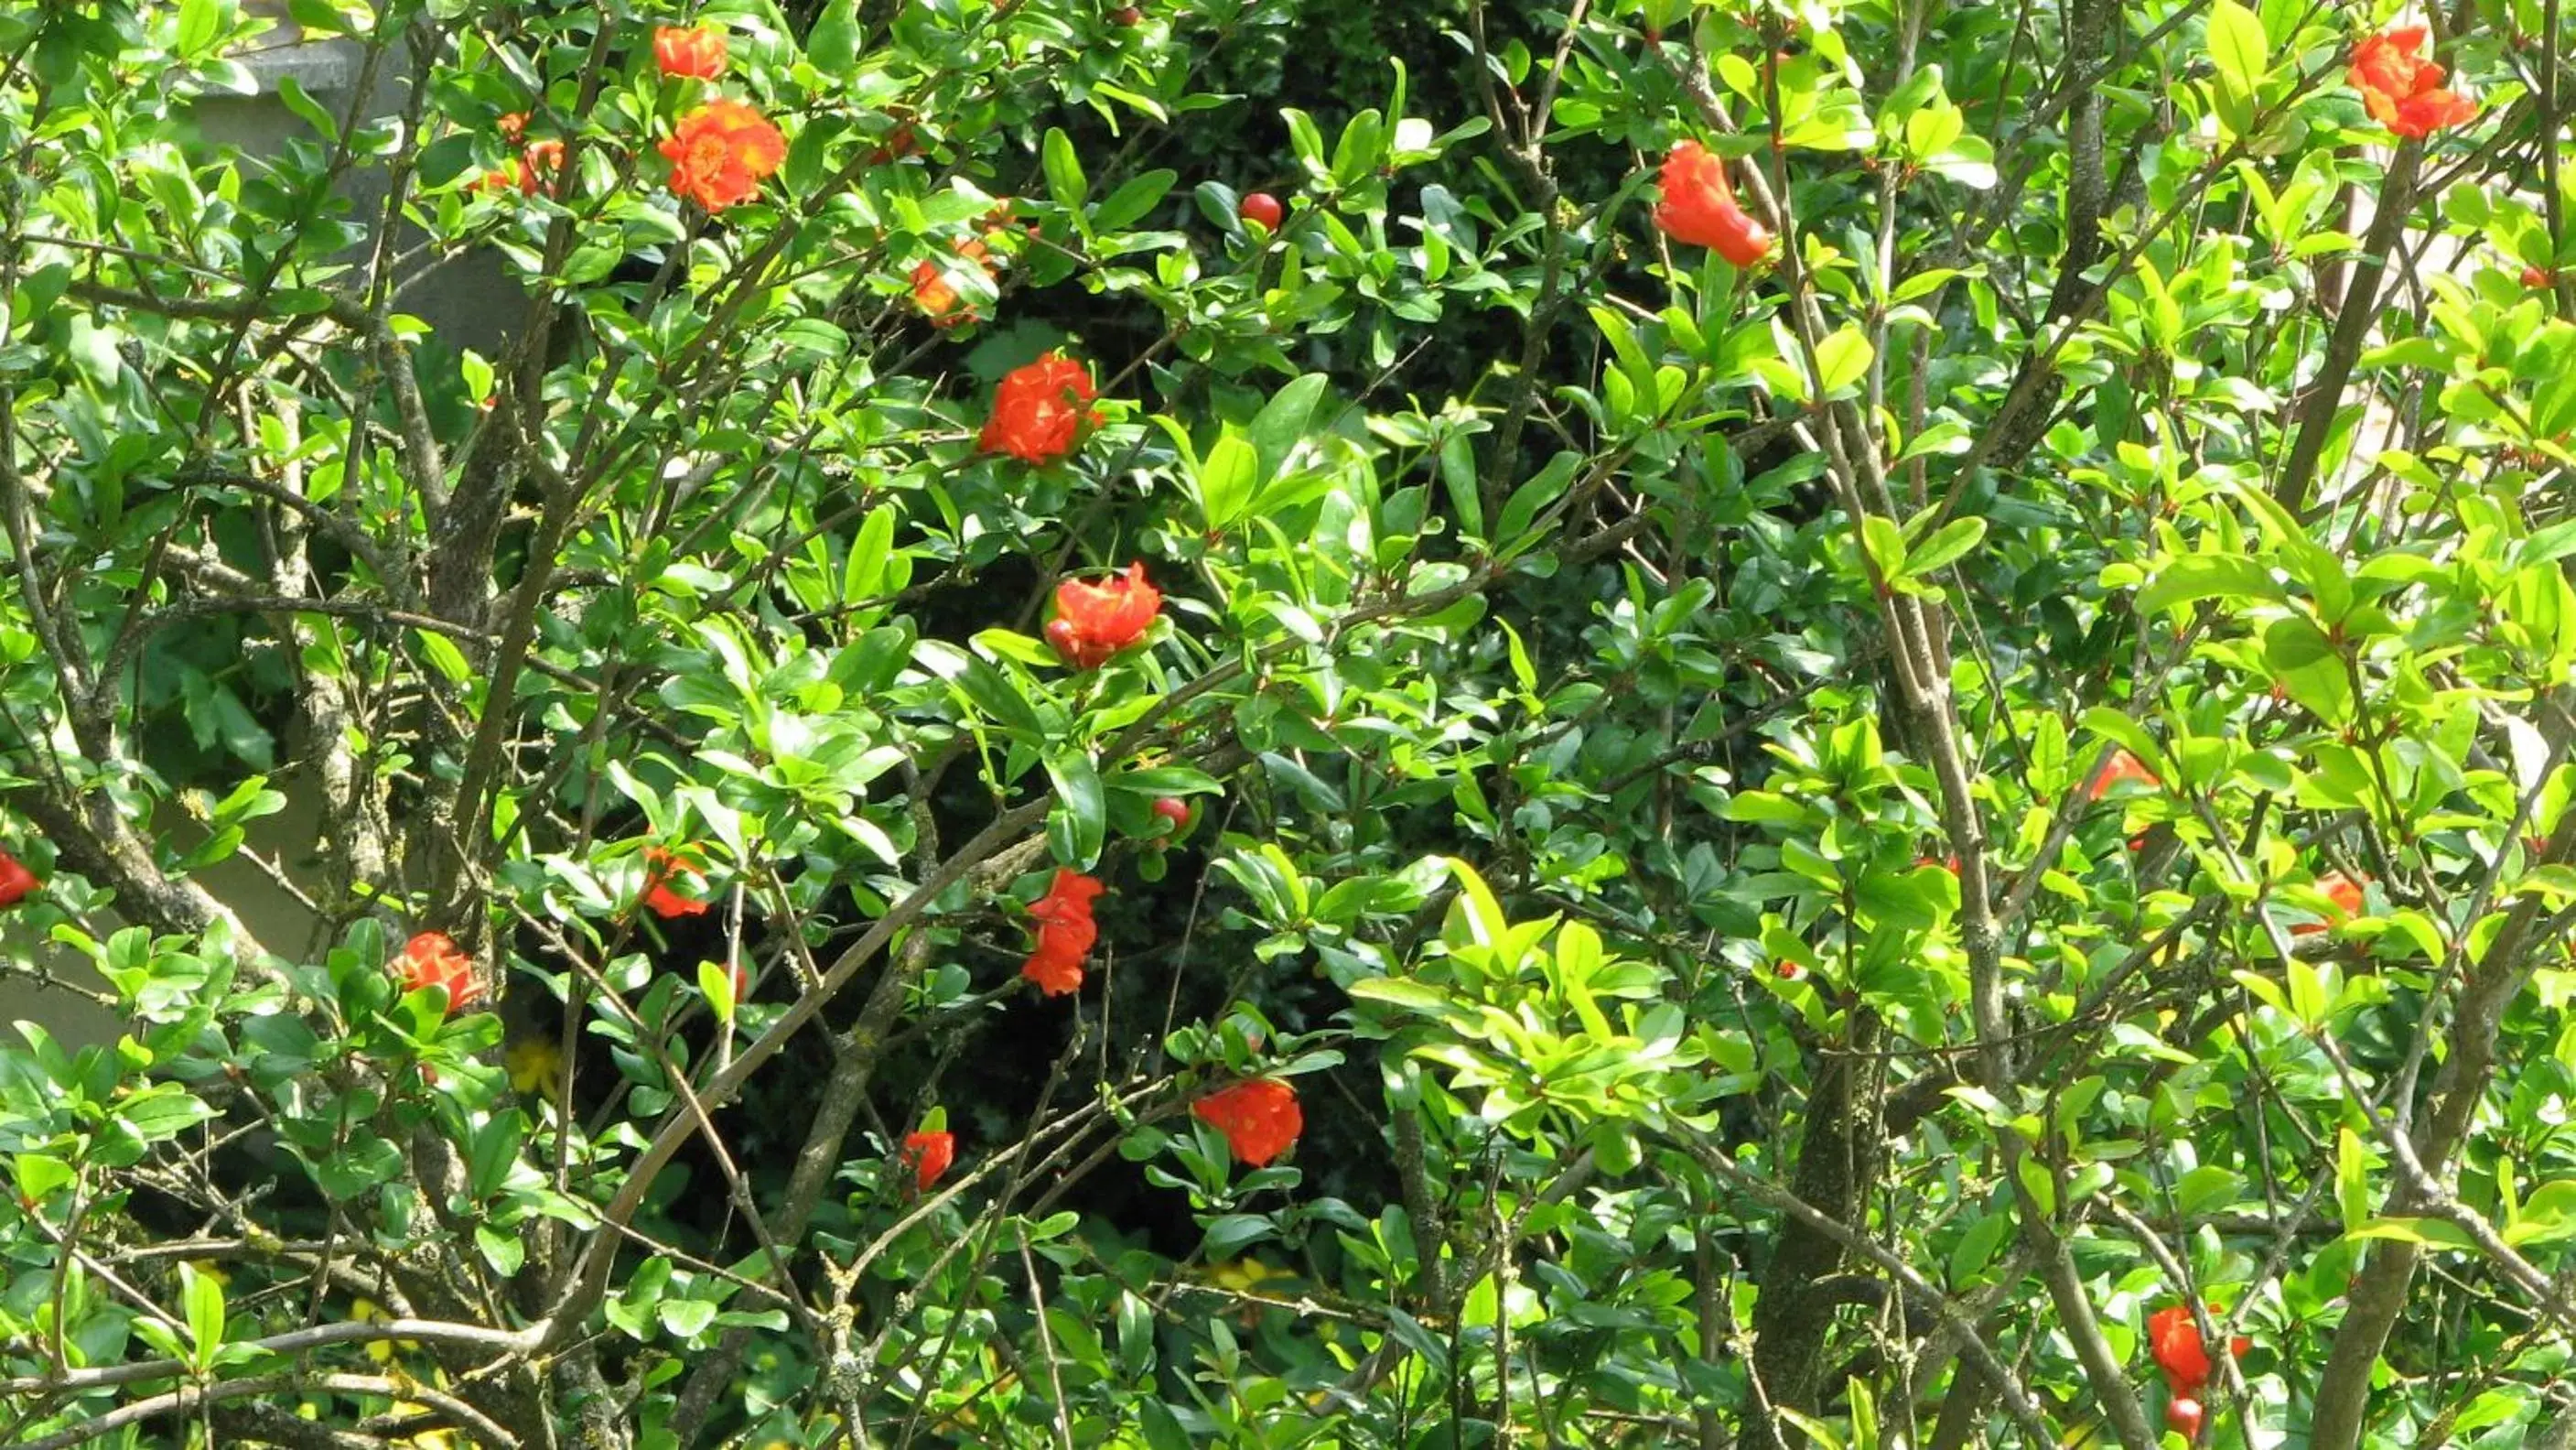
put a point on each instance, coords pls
(2182, 1416)
(1264, 208)
(1789, 971)
(1174, 810)
(1128, 15)
(2538, 277)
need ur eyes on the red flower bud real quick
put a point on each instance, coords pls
(929, 1154)
(433, 959)
(698, 52)
(1174, 810)
(1699, 208)
(2182, 1416)
(1264, 208)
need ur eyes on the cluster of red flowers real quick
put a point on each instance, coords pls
(1699, 208)
(17, 883)
(1065, 933)
(2404, 91)
(2174, 1338)
(1095, 621)
(1040, 410)
(1259, 1118)
(432, 959)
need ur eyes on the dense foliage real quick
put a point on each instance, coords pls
(1253, 723)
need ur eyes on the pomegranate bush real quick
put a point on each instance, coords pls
(1830, 723)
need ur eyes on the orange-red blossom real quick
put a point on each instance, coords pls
(1259, 1119)
(1065, 933)
(721, 152)
(2404, 91)
(1095, 621)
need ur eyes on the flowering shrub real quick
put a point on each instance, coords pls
(1677, 724)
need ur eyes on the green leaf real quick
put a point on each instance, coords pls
(1281, 424)
(1139, 195)
(356, 1167)
(203, 1297)
(1226, 479)
(495, 1151)
(39, 1174)
(200, 21)
(833, 44)
(1946, 546)
(1064, 178)
(1458, 476)
(444, 656)
(686, 1318)
(1843, 359)
(1885, 545)
(2237, 45)
(716, 985)
(1080, 821)
(505, 1252)
(2309, 667)
(1162, 1429)
(2195, 577)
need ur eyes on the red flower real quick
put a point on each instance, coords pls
(661, 868)
(929, 1154)
(1065, 933)
(1038, 410)
(512, 126)
(721, 152)
(2174, 1339)
(17, 883)
(2124, 766)
(1259, 1119)
(698, 52)
(1699, 208)
(2343, 891)
(431, 959)
(1946, 863)
(1094, 621)
(2404, 93)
